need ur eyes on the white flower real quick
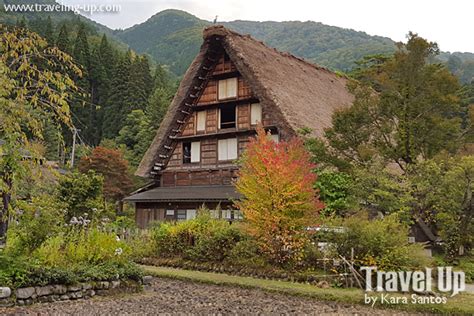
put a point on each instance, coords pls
(118, 251)
(117, 238)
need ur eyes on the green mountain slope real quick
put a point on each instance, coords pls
(333, 47)
(173, 38)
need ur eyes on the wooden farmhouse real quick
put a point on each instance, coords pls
(233, 83)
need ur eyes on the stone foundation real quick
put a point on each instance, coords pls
(57, 292)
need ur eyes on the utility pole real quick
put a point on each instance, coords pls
(73, 152)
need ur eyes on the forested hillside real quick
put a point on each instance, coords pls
(173, 38)
(117, 86)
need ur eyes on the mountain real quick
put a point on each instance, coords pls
(173, 38)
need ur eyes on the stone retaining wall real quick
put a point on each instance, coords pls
(53, 293)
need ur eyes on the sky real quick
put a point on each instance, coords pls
(449, 23)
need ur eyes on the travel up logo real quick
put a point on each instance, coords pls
(419, 283)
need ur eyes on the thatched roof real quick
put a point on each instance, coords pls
(299, 93)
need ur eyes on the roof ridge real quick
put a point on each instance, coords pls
(221, 30)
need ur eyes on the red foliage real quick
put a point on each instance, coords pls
(276, 180)
(113, 167)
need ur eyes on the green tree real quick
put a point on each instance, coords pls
(410, 110)
(118, 102)
(81, 193)
(49, 31)
(62, 41)
(443, 191)
(29, 92)
(136, 135)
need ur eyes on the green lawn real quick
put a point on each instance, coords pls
(462, 303)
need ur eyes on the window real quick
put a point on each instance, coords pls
(275, 138)
(201, 121)
(255, 113)
(226, 214)
(227, 116)
(214, 213)
(227, 149)
(191, 152)
(227, 88)
(190, 214)
(181, 215)
(238, 215)
(169, 212)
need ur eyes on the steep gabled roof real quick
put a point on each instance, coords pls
(299, 93)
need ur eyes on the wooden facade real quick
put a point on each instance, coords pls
(226, 114)
(204, 126)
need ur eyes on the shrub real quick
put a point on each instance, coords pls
(34, 223)
(81, 247)
(202, 239)
(381, 242)
(246, 253)
(215, 246)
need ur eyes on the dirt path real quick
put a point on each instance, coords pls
(167, 296)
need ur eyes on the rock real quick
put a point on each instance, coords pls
(86, 286)
(59, 289)
(323, 284)
(44, 290)
(25, 292)
(104, 285)
(74, 288)
(20, 302)
(6, 302)
(45, 299)
(28, 301)
(147, 279)
(89, 294)
(64, 297)
(5, 292)
(115, 284)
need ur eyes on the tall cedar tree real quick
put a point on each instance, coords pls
(279, 202)
(408, 110)
(62, 41)
(113, 167)
(118, 103)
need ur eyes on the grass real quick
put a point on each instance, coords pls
(460, 304)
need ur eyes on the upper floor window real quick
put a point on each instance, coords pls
(227, 149)
(227, 89)
(201, 121)
(191, 152)
(227, 116)
(255, 113)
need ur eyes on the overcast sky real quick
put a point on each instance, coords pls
(449, 23)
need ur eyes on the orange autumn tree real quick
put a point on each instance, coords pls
(279, 202)
(113, 167)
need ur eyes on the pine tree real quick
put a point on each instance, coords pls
(49, 31)
(118, 104)
(141, 83)
(81, 50)
(62, 41)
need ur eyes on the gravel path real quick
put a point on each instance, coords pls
(179, 297)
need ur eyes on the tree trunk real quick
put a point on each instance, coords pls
(4, 212)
